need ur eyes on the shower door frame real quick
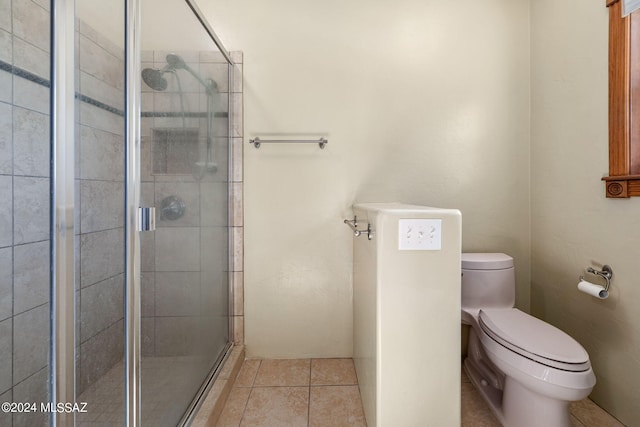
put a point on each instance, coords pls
(62, 298)
(132, 304)
(63, 316)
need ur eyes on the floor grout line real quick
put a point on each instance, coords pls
(244, 409)
(309, 394)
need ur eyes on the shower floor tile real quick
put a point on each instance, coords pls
(164, 380)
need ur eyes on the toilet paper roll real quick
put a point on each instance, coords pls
(592, 289)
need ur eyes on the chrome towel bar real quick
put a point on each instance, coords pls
(353, 225)
(257, 141)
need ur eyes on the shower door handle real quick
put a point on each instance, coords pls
(146, 219)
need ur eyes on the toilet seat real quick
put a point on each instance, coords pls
(534, 339)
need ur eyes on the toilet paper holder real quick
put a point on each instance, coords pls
(606, 273)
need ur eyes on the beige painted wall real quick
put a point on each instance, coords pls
(573, 225)
(423, 102)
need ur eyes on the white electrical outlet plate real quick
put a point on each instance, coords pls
(420, 235)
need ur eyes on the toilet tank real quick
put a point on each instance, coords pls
(488, 281)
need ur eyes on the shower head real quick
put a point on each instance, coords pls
(153, 78)
(175, 61)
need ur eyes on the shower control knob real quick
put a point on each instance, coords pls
(172, 208)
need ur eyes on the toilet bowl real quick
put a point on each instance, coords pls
(527, 370)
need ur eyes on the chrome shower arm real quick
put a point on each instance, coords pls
(210, 86)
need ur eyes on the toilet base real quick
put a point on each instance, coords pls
(518, 406)
(522, 407)
(512, 404)
(491, 395)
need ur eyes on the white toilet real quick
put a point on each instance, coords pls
(527, 370)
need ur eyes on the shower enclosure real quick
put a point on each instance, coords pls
(107, 111)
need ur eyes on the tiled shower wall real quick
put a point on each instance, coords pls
(99, 205)
(24, 179)
(24, 206)
(24, 212)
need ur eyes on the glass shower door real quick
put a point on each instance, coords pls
(184, 263)
(184, 173)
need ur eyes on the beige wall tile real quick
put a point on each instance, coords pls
(238, 330)
(30, 58)
(238, 293)
(177, 249)
(95, 117)
(31, 276)
(238, 212)
(101, 155)
(6, 349)
(6, 91)
(97, 62)
(6, 125)
(101, 255)
(5, 23)
(31, 23)
(33, 389)
(238, 248)
(102, 91)
(6, 211)
(238, 151)
(30, 143)
(6, 282)
(99, 354)
(102, 205)
(177, 293)
(101, 305)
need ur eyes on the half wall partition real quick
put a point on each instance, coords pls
(92, 310)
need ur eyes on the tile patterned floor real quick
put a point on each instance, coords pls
(324, 392)
(301, 392)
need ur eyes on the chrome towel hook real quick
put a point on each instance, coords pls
(353, 225)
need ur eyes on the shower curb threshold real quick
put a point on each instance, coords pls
(211, 408)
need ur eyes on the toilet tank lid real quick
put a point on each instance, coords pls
(486, 261)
